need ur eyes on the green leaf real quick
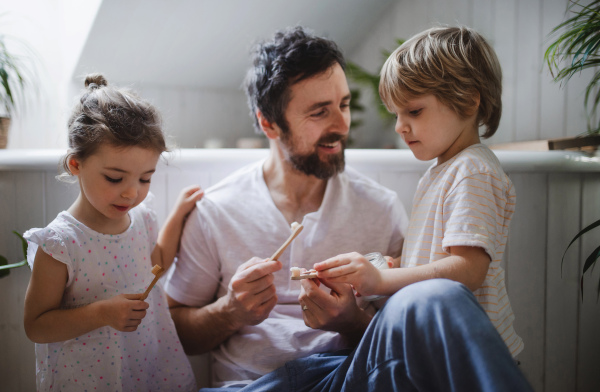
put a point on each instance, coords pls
(3, 272)
(582, 232)
(6, 267)
(18, 74)
(591, 260)
(574, 48)
(371, 80)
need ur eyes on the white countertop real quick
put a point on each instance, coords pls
(512, 161)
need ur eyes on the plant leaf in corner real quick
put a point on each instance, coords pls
(591, 259)
(588, 263)
(4, 272)
(582, 232)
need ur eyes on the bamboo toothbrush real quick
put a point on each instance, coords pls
(296, 229)
(297, 274)
(158, 271)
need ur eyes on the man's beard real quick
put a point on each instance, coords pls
(312, 165)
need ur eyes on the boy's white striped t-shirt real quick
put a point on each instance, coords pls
(467, 201)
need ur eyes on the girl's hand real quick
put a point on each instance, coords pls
(352, 268)
(123, 312)
(187, 200)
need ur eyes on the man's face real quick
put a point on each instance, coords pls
(318, 117)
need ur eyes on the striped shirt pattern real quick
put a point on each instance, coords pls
(467, 201)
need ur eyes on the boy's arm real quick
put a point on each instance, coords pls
(45, 322)
(466, 264)
(167, 243)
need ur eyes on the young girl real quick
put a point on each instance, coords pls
(91, 263)
(443, 84)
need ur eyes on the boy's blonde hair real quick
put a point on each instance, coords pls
(451, 63)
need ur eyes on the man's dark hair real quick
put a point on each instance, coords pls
(292, 55)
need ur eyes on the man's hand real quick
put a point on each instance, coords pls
(354, 269)
(335, 311)
(251, 294)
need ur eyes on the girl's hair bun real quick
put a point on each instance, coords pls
(95, 80)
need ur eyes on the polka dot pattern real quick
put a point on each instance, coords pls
(101, 266)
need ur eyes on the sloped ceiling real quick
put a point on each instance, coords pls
(206, 43)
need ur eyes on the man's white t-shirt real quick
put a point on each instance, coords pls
(237, 220)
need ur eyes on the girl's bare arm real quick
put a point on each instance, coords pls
(45, 322)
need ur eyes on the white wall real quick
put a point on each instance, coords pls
(56, 31)
(534, 106)
(192, 116)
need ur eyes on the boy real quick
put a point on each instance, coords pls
(443, 84)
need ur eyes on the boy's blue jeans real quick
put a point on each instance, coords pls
(429, 336)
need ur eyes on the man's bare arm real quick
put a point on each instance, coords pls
(201, 329)
(249, 300)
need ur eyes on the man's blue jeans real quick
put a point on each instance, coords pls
(429, 336)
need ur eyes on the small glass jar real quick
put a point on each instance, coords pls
(379, 262)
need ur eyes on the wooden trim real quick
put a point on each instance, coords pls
(582, 143)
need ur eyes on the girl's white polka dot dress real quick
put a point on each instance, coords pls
(101, 266)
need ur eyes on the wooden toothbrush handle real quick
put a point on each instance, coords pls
(287, 242)
(145, 295)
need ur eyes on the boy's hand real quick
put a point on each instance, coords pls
(187, 200)
(352, 268)
(123, 312)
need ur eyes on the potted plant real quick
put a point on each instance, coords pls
(371, 80)
(576, 47)
(17, 73)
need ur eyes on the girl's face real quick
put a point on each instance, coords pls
(112, 182)
(433, 130)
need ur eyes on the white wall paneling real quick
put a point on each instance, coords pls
(552, 97)
(589, 316)
(10, 325)
(527, 270)
(504, 41)
(554, 189)
(527, 56)
(562, 289)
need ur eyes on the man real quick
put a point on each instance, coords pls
(431, 335)
(224, 295)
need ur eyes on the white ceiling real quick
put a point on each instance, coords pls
(206, 43)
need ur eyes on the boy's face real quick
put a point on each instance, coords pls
(433, 130)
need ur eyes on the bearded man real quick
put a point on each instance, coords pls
(225, 297)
